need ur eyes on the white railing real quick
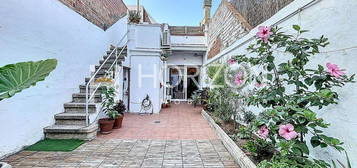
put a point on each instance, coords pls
(90, 96)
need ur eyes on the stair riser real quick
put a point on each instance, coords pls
(113, 56)
(82, 136)
(83, 100)
(79, 110)
(83, 90)
(108, 63)
(70, 122)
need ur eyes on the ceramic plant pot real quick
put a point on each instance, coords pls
(118, 122)
(106, 125)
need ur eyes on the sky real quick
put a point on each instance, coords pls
(175, 12)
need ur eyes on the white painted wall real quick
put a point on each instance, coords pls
(145, 63)
(184, 59)
(41, 29)
(188, 40)
(333, 19)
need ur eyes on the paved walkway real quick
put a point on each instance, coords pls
(182, 139)
(179, 122)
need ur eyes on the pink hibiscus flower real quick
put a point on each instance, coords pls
(239, 78)
(263, 131)
(264, 33)
(287, 132)
(231, 61)
(259, 85)
(334, 70)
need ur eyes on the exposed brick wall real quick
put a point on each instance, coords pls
(103, 13)
(215, 49)
(226, 27)
(257, 11)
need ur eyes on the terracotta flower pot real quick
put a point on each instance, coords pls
(118, 122)
(106, 125)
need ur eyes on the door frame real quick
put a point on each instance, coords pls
(185, 78)
(129, 79)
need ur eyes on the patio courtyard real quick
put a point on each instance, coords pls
(182, 138)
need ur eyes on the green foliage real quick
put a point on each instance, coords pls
(292, 162)
(134, 17)
(248, 116)
(216, 74)
(244, 132)
(196, 98)
(222, 103)
(120, 107)
(308, 89)
(16, 77)
(108, 103)
(260, 148)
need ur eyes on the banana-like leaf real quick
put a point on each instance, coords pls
(16, 77)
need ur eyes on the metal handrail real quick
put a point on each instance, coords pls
(89, 96)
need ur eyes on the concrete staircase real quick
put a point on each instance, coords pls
(71, 124)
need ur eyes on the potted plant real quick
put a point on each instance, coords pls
(106, 124)
(134, 17)
(120, 108)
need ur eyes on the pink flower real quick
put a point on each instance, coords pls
(334, 70)
(263, 131)
(287, 131)
(231, 61)
(239, 78)
(264, 33)
(258, 85)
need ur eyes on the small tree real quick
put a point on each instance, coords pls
(290, 93)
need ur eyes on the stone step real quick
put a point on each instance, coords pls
(79, 108)
(109, 62)
(124, 54)
(105, 66)
(71, 132)
(119, 49)
(82, 89)
(81, 98)
(70, 119)
(111, 58)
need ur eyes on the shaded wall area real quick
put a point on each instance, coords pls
(258, 11)
(103, 13)
(33, 30)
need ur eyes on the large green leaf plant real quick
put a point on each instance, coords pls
(16, 77)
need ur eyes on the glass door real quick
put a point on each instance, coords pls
(178, 83)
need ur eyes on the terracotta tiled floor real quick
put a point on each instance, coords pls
(179, 122)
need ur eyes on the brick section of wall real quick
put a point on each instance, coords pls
(215, 49)
(226, 26)
(103, 13)
(257, 11)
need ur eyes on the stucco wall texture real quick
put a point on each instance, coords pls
(33, 30)
(333, 19)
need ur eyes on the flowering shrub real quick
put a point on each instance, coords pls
(289, 91)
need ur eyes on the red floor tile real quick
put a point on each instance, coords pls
(180, 121)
